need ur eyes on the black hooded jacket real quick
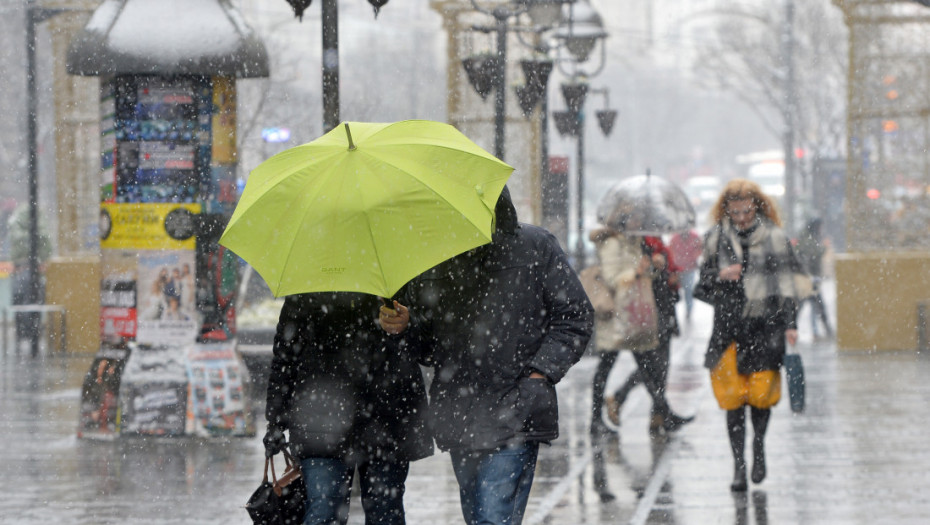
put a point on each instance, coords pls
(485, 320)
(341, 386)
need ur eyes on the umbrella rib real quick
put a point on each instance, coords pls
(425, 184)
(314, 191)
(432, 189)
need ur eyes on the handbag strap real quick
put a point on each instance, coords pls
(265, 475)
(289, 460)
(289, 463)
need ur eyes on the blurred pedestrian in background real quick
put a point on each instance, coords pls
(811, 249)
(749, 272)
(350, 397)
(623, 260)
(686, 251)
(665, 286)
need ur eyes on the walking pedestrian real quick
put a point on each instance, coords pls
(750, 269)
(686, 251)
(623, 259)
(811, 249)
(501, 325)
(665, 285)
(350, 398)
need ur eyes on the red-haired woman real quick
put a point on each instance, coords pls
(750, 269)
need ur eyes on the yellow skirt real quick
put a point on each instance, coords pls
(734, 390)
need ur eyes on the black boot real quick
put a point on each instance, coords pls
(736, 429)
(758, 460)
(739, 477)
(760, 423)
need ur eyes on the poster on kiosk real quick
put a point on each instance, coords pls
(169, 364)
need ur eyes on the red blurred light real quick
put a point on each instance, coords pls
(873, 193)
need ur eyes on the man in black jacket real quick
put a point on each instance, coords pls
(350, 398)
(501, 324)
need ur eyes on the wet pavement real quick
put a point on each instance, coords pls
(860, 453)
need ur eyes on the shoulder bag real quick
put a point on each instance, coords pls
(599, 292)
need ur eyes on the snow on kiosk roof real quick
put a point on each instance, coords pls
(167, 37)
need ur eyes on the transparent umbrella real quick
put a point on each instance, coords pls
(646, 205)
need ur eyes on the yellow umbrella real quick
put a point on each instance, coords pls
(366, 207)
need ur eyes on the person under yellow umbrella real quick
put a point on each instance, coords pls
(331, 224)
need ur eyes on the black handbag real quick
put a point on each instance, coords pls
(705, 290)
(794, 372)
(281, 501)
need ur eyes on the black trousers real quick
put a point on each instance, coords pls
(651, 371)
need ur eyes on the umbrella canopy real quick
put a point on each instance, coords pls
(646, 205)
(366, 207)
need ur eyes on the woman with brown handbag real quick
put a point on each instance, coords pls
(625, 268)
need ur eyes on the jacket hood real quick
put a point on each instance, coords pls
(505, 214)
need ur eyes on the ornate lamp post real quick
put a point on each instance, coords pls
(329, 21)
(580, 34)
(489, 72)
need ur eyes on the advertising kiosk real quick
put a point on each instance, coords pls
(169, 363)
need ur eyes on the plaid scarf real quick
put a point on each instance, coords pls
(772, 268)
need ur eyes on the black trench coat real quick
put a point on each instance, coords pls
(341, 386)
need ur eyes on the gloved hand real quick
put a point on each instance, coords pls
(274, 441)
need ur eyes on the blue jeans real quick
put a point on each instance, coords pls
(494, 486)
(329, 485)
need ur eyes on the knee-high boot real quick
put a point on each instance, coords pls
(736, 429)
(760, 423)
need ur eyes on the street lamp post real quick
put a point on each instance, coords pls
(330, 31)
(790, 112)
(582, 32)
(500, 93)
(329, 21)
(34, 16)
(543, 14)
(478, 72)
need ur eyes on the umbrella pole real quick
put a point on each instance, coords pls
(349, 137)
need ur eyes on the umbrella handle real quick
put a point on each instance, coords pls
(387, 303)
